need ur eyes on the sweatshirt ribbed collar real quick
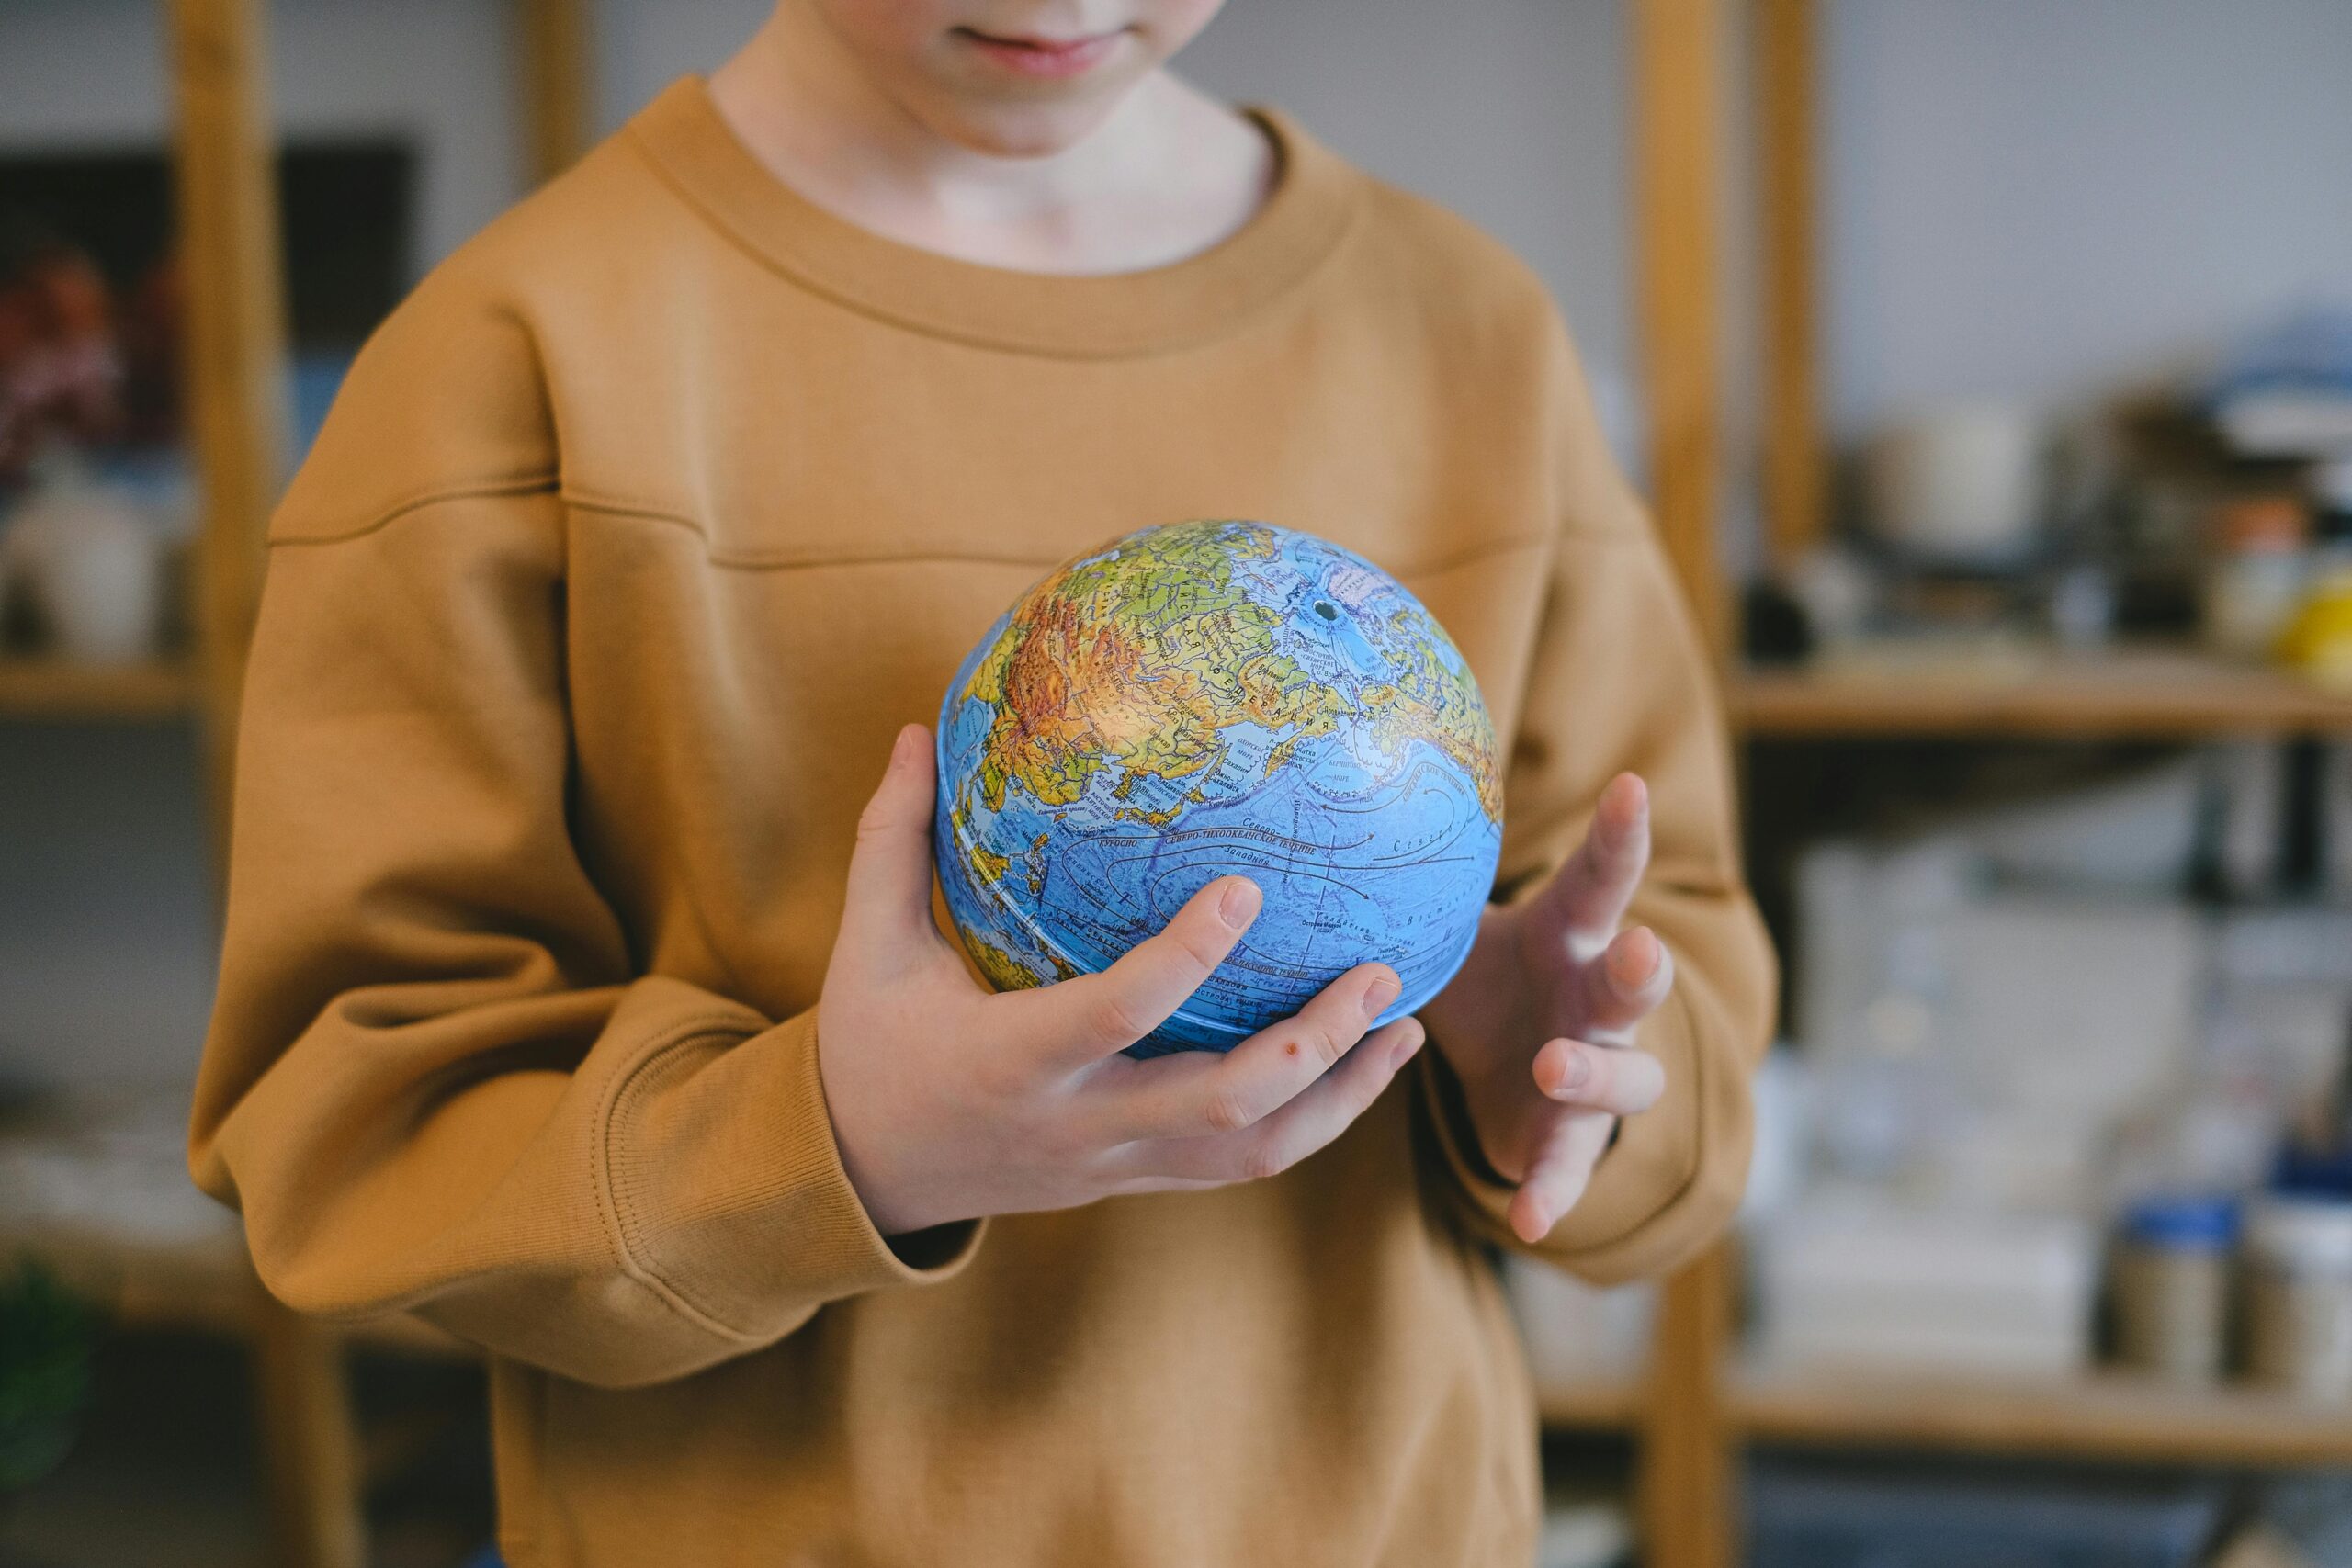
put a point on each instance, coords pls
(1202, 297)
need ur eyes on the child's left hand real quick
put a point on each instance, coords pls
(1539, 1024)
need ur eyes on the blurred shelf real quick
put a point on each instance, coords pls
(1596, 1406)
(2110, 1416)
(2156, 693)
(193, 1286)
(56, 688)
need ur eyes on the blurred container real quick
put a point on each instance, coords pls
(2082, 608)
(1585, 1535)
(1810, 1517)
(2172, 1286)
(2254, 575)
(2318, 640)
(1576, 1334)
(1963, 484)
(2331, 484)
(92, 565)
(1837, 592)
(2298, 1294)
(1845, 1280)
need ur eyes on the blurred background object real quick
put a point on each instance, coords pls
(1994, 360)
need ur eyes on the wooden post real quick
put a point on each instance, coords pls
(308, 1439)
(1678, 81)
(1795, 503)
(236, 399)
(1686, 1494)
(1687, 1500)
(236, 344)
(555, 52)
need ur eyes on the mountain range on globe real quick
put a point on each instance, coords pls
(1199, 699)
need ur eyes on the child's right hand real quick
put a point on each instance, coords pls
(950, 1102)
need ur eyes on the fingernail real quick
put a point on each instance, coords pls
(1380, 993)
(1577, 1072)
(1239, 906)
(1632, 961)
(1407, 1049)
(903, 748)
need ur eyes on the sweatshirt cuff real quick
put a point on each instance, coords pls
(1625, 1227)
(727, 1192)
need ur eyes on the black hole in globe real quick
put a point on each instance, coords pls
(1327, 612)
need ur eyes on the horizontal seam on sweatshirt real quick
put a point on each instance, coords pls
(551, 484)
(744, 562)
(532, 484)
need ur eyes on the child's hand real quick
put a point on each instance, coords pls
(1538, 1024)
(950, 1103)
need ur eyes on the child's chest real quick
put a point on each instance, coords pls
(769, 573)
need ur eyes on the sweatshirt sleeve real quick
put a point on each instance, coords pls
(1620, 682)
(435, 1080)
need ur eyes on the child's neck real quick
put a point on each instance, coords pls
(1169, 172)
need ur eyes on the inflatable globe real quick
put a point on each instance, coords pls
(1202, 699)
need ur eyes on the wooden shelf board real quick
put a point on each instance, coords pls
(2151, 694)
(195, 1287)
(1598, 1406)
(2108, 1416)
(56, 688)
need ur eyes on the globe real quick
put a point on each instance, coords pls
(1203, 699)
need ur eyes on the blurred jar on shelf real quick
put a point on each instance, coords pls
(89, 563)
(1960, 483)
(2318, 639)
(2255, 574)
(2299, 1293)
(2171, 1285)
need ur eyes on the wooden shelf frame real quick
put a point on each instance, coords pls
(223, 145)
(1697, 1405)
(1615, 1405)
(2103, 1417)
(2144, 694)
(54, 689)
(2112, 1417)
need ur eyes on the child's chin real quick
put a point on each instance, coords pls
(1027, 119)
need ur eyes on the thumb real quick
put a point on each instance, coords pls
(889, 902)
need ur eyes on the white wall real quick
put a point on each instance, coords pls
(437, 72)
(106, 903)
(2028, 197)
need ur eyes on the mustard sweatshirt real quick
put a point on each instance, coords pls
(634, 537)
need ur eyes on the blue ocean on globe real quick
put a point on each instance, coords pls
(1201, 699)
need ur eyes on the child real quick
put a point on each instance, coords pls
(569, 1002)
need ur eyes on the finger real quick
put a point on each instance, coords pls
(1590, 893)
(1199, 1094)
(888, 905)
(1305, 1123)
(1600, 1077)
(1091, 1017)
(1556, 1180)
(1624, 986)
